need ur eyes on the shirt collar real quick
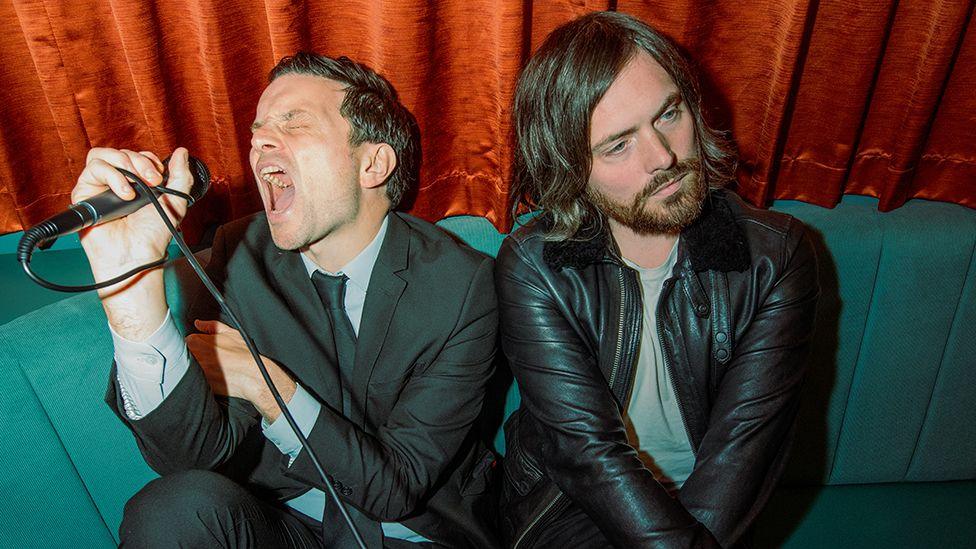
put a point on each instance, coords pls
(360, 268)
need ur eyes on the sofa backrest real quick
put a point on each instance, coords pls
(889, 397)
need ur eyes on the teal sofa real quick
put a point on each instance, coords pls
(885, 454)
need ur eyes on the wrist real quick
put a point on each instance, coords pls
(137, 306)
(264, 401)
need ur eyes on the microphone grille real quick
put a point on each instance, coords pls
(201, 178)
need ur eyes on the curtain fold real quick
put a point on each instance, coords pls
(823, 98)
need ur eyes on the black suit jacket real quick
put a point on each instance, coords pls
(407, 452)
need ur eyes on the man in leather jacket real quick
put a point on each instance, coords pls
(657, 325)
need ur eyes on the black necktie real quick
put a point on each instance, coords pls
(332, 292)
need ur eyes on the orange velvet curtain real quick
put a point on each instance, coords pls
(869, 97)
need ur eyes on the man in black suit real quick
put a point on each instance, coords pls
(377, 329)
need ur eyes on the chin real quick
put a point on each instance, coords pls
(285, 241)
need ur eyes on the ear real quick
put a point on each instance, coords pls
(378, 162)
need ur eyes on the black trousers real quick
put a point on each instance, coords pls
(206, 509)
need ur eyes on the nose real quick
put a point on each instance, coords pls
(263, 139)
(657, 153)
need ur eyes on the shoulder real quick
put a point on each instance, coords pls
(772, 236)
(768, 232)
(524, 245)
(431, 247)
(750, 217)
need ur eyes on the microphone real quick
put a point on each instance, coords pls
(105, 207)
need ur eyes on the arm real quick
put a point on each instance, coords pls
(390, 472)
(137, 306)
(742, 453)
(186, 427)
(574, 424)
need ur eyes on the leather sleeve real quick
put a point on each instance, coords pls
(574, 421)
(741, 455)
(388, 473)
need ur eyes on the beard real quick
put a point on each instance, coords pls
(671, 214)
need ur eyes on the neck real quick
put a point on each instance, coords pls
(646, 250)
(339, 247)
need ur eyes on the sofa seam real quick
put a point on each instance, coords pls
(857, 358)
(938, 375)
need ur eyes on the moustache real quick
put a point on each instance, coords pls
(662, 179)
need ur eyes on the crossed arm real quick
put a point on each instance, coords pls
(582, 439)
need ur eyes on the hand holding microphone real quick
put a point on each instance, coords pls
(124, 236)
(136, 237)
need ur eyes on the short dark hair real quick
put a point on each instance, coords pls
(554, 101)
(373, 110)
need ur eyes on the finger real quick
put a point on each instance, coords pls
(206, 326)
(100, 175)
(156, 161)
(144, 167)
(204, 349)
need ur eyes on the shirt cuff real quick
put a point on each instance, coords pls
(305, 409)
(149, 370)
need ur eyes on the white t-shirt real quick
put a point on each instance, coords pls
(653, 420)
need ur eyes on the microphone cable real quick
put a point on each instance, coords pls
(41, 233)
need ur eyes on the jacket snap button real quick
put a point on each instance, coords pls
(722, 354)
(721, 337)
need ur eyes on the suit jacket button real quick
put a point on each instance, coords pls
(346, 491)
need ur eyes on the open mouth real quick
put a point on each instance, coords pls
(281, 189)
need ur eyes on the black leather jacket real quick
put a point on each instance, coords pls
(735, 320)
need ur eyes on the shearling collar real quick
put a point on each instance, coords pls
(713, 242)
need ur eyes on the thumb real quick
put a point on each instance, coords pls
(180, 178)
(206, 326)
(214, 327)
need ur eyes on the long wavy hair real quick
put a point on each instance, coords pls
(554, 101)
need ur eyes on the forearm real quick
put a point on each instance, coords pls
(587, 455)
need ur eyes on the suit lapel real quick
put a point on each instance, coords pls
(316, 367)
(385, 288)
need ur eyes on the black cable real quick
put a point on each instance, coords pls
(152, 193)
(40, 234)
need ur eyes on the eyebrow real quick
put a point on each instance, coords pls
(669, 101)
(283, 118)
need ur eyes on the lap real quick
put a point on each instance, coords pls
(571, 528)
(206, 509)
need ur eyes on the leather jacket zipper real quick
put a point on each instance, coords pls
(613, 376)
(667, 364)
(536, 520)
(620, 330)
